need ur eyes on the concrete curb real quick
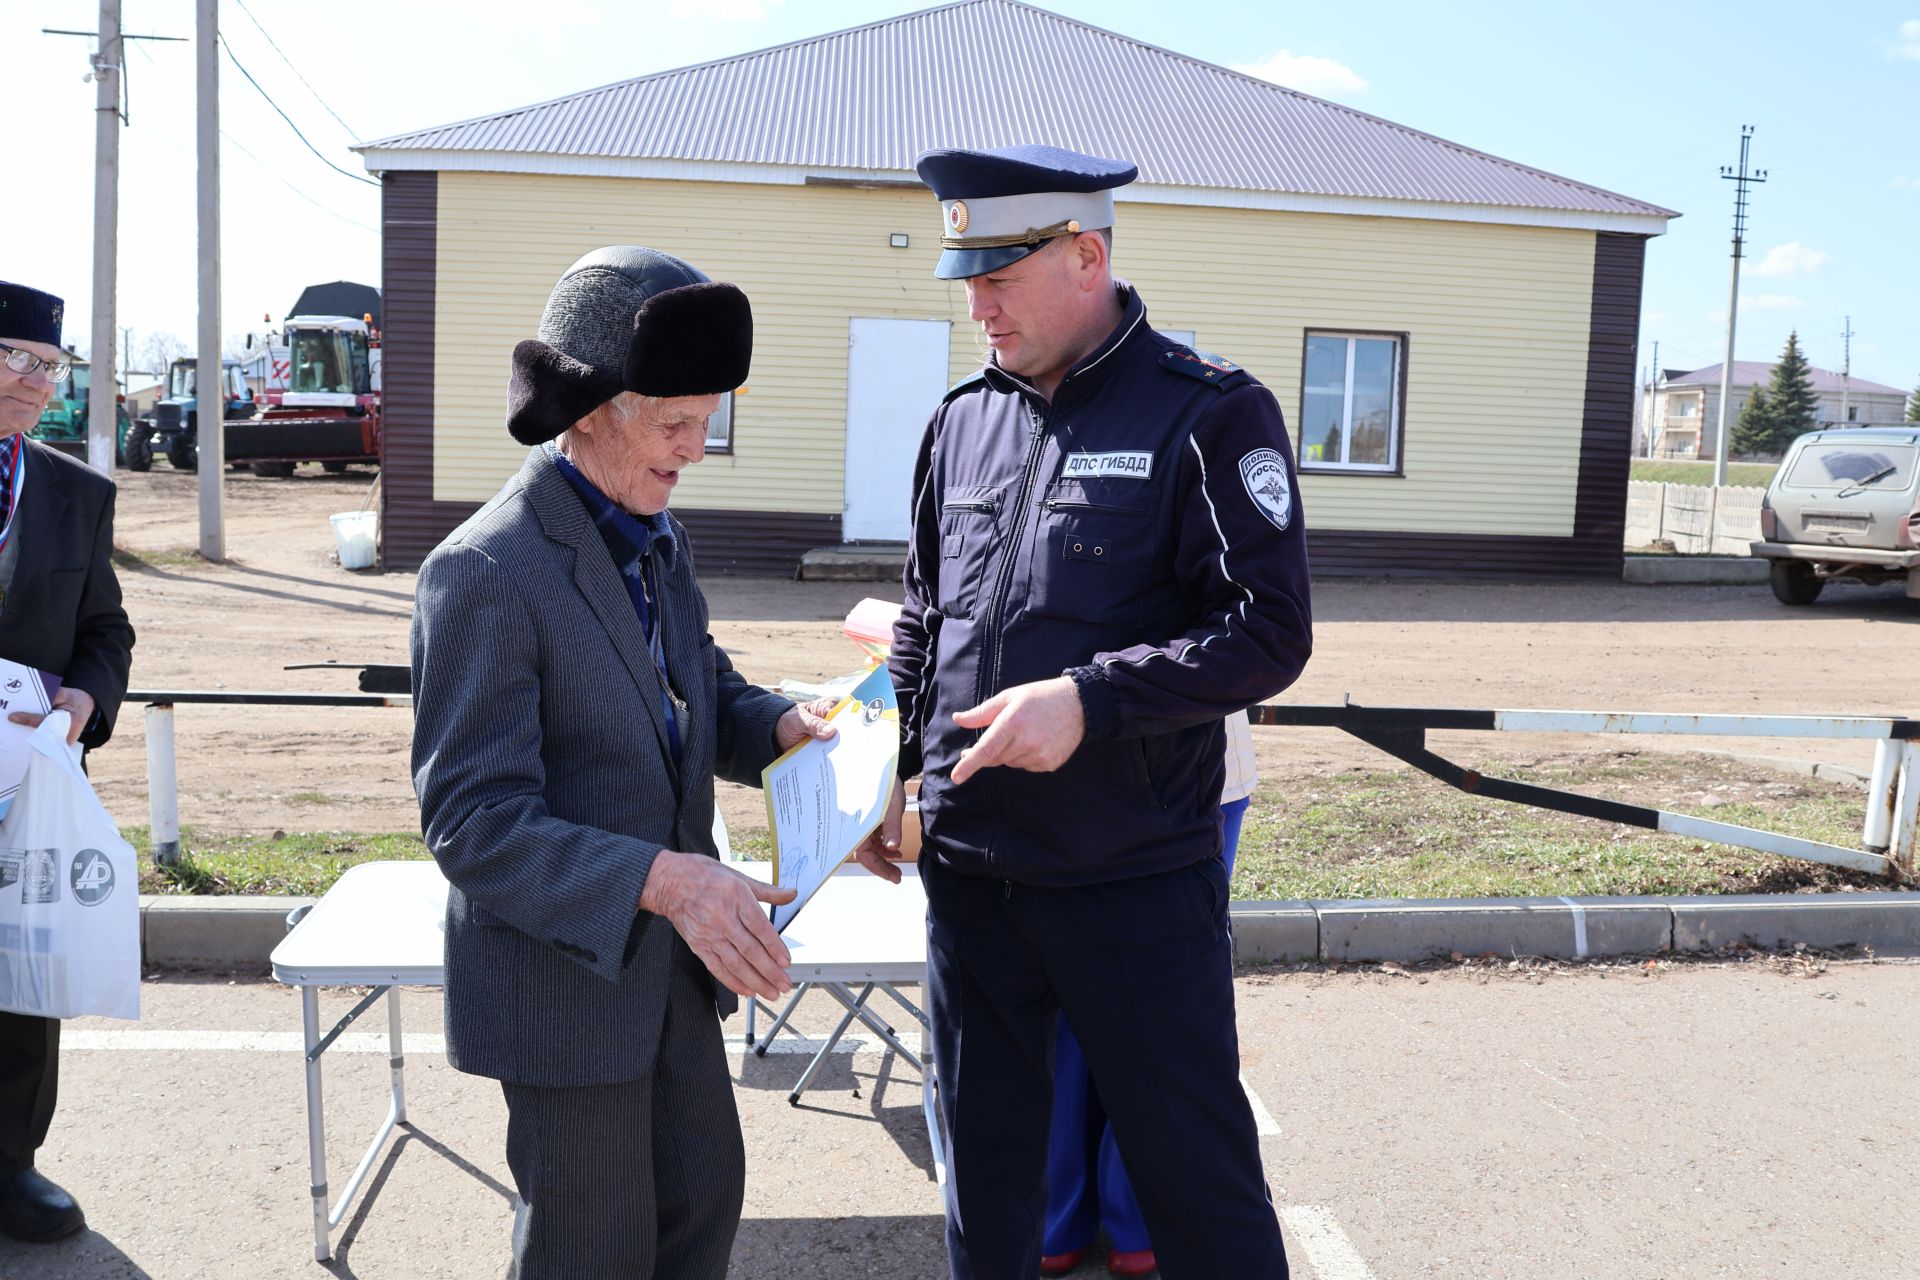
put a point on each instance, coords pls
(239, 933)
(1693, 570)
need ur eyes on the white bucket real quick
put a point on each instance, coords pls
(353, 535)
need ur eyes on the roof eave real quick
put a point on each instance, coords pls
(1646, 220)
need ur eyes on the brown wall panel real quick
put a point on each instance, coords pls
(411, 522)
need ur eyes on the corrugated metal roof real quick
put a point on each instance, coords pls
(1754, 373)
(985, 73)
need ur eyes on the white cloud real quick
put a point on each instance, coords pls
(1769, 302)
(1306, 72)
(738, 11)
(1907, 43)
(1906, 184)
(1789, 259)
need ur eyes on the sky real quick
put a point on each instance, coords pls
(1646, 99)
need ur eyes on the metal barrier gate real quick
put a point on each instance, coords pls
(1889, 835)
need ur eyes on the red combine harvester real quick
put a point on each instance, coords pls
(321, 399)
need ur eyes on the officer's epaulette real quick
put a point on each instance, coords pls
(1203, 365)
(978, 375)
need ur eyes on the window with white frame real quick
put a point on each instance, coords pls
(720, 426)
(1351, 405)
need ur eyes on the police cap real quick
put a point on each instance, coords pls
(999, 206)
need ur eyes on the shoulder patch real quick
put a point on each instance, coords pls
(978, 375)
(1203, 365)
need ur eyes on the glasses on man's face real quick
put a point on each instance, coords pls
(25, 362)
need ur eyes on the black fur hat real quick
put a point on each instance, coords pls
(627, 318)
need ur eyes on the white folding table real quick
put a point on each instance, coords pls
(383, 925)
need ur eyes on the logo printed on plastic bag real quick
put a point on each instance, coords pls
(91, 877)
(38, 883)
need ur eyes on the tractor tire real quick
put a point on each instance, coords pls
(334, 468)
(184, 455)
(273, 470)
(139, 451)
(1794, 582)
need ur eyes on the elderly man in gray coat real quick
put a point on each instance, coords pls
(571, 715)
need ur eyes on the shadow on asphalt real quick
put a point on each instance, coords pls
(904, 1247)
(839, 1093)
(409, 1134)
(87, 1256)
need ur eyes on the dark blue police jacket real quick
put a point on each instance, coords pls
(1141, 534)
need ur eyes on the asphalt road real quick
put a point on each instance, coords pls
(1685, 1120)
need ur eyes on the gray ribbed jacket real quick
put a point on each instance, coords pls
(546, 786)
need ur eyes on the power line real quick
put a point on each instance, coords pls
(289, 119)
(351, 131)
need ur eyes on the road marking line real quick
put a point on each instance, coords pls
(240, 1042)
(1579, 929)
(1329, 1252)
(1263, 1121)
(161, 1041)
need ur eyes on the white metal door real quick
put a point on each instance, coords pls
(896, 374)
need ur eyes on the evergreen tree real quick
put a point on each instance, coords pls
(1913, 406)
(1792, 402)
(1753, 433)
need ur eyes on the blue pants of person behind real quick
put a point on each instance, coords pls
(1144, 968)
(1087, 1183)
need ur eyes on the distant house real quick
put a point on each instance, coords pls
(1686, 406)
(1451, 334)
(143, 395)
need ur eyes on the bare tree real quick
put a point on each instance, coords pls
(157, 349)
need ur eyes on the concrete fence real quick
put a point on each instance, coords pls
(1697, 519)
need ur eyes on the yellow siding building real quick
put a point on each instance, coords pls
(1508, 326)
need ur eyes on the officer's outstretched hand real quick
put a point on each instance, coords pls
(1030, 726)
(878, 851)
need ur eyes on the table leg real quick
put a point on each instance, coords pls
(396, 1058)
(806, 1077)
(793, 1001)
(316, 1123)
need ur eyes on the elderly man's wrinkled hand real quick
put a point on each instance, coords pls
(719, 913)
(803, 722)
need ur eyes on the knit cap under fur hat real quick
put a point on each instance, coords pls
(627, 318)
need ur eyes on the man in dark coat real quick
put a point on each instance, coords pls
(571, 714)
(60, 612)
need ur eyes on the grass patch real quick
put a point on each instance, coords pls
(1358, 834)
(165, 558)
(300, 862)
(1756, 475)
(1402, 835)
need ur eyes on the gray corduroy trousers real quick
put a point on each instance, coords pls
(634, 1180)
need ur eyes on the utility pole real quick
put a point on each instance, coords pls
(108, 66)
(1741, 179)
(109, 69)
(1846, 371)
(1653, 392)
(210, 396)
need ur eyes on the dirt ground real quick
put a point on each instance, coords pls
(282, 598)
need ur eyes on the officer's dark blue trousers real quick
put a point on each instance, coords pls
(1144, 969)
(1087, 1182)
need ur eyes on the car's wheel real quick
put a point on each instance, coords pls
(139, 451)
(333, 468)
(183, 454)
(273, 470)
(1794, 582)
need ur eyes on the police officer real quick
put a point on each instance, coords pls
(1107, 559)
(59, 611)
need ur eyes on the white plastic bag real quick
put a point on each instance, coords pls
(69, 893)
